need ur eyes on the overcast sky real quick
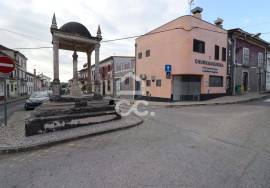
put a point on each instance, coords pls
(117, 18)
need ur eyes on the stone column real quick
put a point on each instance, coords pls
(89, 80)
(56, 81)
(97, 79)
(75, 90)
(75, 66)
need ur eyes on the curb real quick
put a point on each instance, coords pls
(26, 148)
(209, 104)
(204, 104)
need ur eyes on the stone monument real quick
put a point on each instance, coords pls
(75, 37)
(75, 110)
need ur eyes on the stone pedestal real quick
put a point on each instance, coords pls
(56, 116)
(97, 87)
(56, 88)
(75, 90)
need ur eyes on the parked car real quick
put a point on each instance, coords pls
(36, 99)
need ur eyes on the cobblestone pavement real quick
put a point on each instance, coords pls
(225, 146)
(12, 107)
(13, 135)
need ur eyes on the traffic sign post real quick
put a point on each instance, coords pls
(5, 99)
(7, 65)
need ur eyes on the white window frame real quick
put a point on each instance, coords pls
(245, 56)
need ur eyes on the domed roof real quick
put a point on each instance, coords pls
(75, 28)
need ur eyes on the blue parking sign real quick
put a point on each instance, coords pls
(168, 68)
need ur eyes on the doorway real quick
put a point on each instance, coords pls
(245, 81)
(186, 87)
(118, 86)
(260, 84)
(138, 88)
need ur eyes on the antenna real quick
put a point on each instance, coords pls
(190, 2)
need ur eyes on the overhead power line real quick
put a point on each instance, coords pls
(131, 37)
(256, 24)
(109, 40)
(22, 34)
(157, 32)
(265, 33)
(123, 38)
(33, 48)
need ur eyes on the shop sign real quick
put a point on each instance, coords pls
(210, 70)
(210, 63)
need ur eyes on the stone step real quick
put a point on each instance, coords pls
(39, 125)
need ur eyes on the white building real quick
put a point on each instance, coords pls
(30, 83)
(21, 69)
(124, 75)
(116, 76)
(16, 81)
(43, 82)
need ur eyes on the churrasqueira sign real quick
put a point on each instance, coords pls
(211, 63)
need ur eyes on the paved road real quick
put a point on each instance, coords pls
(12, 107)
(207, 146)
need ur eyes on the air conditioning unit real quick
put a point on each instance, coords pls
(143, 76)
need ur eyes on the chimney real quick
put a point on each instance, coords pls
(196, 12)
(218, 22)
(35, 72)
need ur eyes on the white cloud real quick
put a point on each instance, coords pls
(118, 18)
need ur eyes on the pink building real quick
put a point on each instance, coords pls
(185, 59)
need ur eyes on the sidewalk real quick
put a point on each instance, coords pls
(13, 100)
(217, 101)
(12, 136)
